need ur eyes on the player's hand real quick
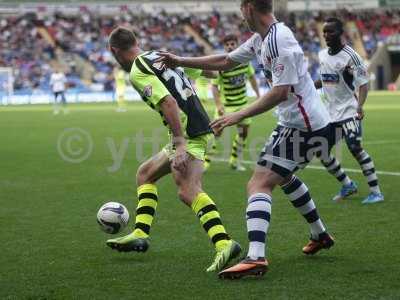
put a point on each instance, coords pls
(168, 60)
(219, 124)
(360, 113)
(220, 110)
(180, 160)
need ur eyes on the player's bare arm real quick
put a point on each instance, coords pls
(318, 84)
(170, 110)
(217, 99)
(362, 97)
(218, 62)
(277, 95)
(254, 85)
(209, 74)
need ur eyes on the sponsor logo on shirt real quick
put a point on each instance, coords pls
(159, 66)
(148, 91)
(238, 80)
(330, 78)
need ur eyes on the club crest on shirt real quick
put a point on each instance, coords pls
(361, 72)
(148, 91)
(278, 69)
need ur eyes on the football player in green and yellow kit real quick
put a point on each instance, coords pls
(230, 95)
(120, 87)
(169, 92)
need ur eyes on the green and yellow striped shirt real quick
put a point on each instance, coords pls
(232, 84)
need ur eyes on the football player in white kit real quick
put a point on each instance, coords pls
(343, 75)
(58, 84)
(302, 131)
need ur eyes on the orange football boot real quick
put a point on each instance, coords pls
(247, 267)
(325, 241)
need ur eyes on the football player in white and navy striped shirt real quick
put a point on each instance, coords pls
(303, 127)
(344, 80)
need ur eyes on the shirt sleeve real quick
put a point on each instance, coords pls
(250, 71)
(284, 71)
(359, 71)
(150, 87)
(245, 52)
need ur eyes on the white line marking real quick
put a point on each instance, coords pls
(382, 142)
(312, 167)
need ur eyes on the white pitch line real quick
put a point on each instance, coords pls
(248, 162)
(381, 142)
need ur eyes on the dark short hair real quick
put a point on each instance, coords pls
(122, 38)
(263, 6)
(230, 37)
(338, 23)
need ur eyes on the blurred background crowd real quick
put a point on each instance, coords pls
(35, 45)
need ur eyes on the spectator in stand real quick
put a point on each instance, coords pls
(84, 36)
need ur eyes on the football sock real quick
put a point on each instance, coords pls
(368, 168)
(207, 158)
(147, 204)
(258, 215)
(298, 194)
(210, 219)
(237, 148)
(333, 167)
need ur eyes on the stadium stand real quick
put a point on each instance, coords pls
(34, 44)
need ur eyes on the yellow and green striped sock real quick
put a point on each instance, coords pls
(237, 148)
(146, 208)
(210, 219)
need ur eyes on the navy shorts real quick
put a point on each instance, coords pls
(290, 149)
(350, 130)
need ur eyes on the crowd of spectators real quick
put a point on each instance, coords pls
(85, 35)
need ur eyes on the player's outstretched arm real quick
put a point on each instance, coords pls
(170, 110)
(218, 62)
(277, 95)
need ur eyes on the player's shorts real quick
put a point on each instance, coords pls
(196, 147)
(350, 130)
(290, 149)
(232, 109)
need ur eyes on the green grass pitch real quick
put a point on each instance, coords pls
(52, 248)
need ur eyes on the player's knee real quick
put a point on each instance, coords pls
(255, 185)
(243, 132)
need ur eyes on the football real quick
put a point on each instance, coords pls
(112, 217)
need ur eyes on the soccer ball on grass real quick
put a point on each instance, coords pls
(112, 217)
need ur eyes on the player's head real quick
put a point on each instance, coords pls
(333, 30)
(231, 42)
(122, 44)
(253, 9)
